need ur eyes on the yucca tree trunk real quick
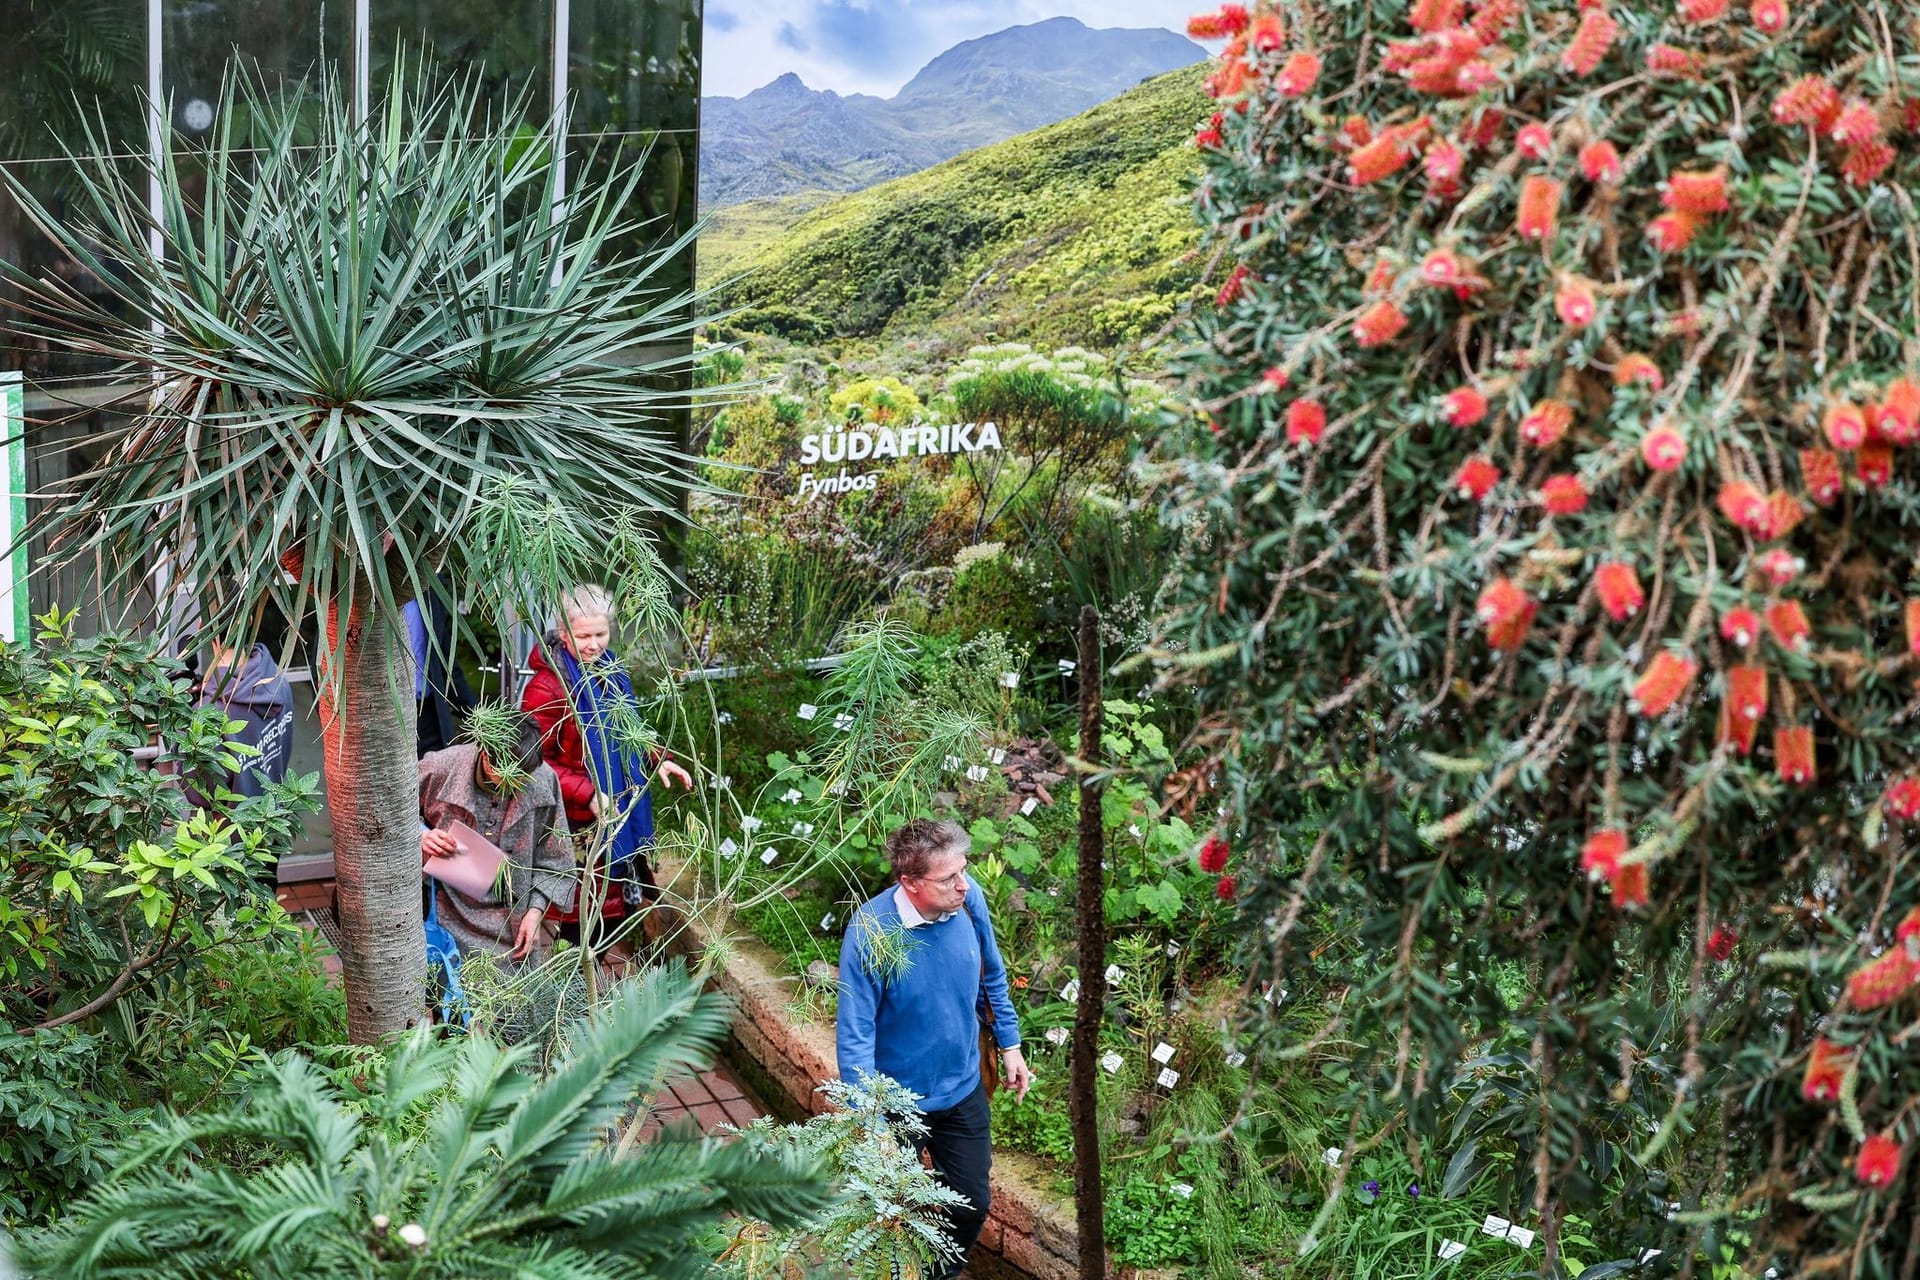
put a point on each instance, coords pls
(367, 716)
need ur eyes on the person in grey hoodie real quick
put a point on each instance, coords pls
(255, 693)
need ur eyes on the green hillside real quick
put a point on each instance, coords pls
(1077, 233)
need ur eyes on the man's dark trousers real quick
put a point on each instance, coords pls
(962, 1151)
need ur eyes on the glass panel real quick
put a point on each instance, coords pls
(284, 40)
(507, 43)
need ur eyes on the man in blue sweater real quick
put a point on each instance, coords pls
(919, 973)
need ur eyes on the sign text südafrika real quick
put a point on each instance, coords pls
(878, 444)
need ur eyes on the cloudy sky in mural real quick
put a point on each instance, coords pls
(875, 46)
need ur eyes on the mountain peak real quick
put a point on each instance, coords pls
(787, 88)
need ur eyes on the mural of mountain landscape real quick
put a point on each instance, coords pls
(785, 138)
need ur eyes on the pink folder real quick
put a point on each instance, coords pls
(472, 870)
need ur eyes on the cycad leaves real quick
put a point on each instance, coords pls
(506, 1176)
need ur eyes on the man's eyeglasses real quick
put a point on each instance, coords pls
(956, 881)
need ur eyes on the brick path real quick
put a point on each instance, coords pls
(709, 1100)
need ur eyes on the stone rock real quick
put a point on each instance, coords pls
(821, 973)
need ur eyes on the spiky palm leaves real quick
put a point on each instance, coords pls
(455, 1163)
(353, 328)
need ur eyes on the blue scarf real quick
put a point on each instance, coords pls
(619, 772)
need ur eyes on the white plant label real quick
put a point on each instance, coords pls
(1648, 1255)
(723, 782)
(750, 823)
(1451, 1249)
(791, 796)
(807, 711)
(1520, 1236)
(1057, 1036)
(1111, 1063)
(1332, 1157)
(770, 856)
(838, 787)
(1115, 973)
(1029, 804)
(1173, 949)
(1236, 1059)
(976, 773)
(997, 756)
(1168, 1078)
(1009, 679)
(1068, 666)
(826, 922)
(1495, 1226)
(1071, 992)
(950, 763)
(728, 848)
(1163, 1053)
(803, 828)
(1181, 1189)
(725, 717)
(843, 722)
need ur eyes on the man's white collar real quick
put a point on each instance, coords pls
(910, 917)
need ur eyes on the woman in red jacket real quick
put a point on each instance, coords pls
(584, 703)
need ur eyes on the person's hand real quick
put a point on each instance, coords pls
(599, 810)
(671, 773)
(437, 844)
(1017, 1075)
(528, 935)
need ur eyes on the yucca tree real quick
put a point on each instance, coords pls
(451, 1162)
(341, 335)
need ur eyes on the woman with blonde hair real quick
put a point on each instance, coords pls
(589, 720)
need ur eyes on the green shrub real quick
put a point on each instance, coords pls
(993, 590)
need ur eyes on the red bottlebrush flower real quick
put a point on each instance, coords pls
(1702, 10)
(1826, 1071)
(1665, 680)
(1381, 158)
(1575, 305)
(1590, 43)
(1306, 422)
(1878, 1164)
(1874, 464)
(1673, 231)
(1534, 141)
(1899, 421)
(1720, 943)
(1809, 100)
(1740, 626)
(1213, 26)
(1476, 478)
(1600, 162)
(1275, 379)
(1863, 165)
(1225, 889)
(1793, 753)
(1234, 288)
(1209, 138)
(1443, 162)
(1903, 802)
(1268, 33)
(1912, 614)
(1380, 323)
(1699, 194)
(1820, 472)
(1434, 15)
(1485, 129)
(1769, 15)
(1492, 18)
(1463, 407)
(1784, 514)
(1539, 207)
(1857, 122)
(1634, 368)
(1380, 279)
(1299, 75)
(1630, 885)
(1563, 495)
(1747, 691)
(1788, 623)
(1909, 925)
(1600, 856)
(1845, 425)
(1881, 981)
(1664, 449)
(1474, 75)
(1356, 131)
(1507, 612)
(1742, 504)
(1230, 79)
(1213, 854)
(1441, 267)
(1672, 60)
(1546, 423)
(1618, 587)
(1780, 566)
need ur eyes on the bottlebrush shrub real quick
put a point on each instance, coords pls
(1425, 694)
